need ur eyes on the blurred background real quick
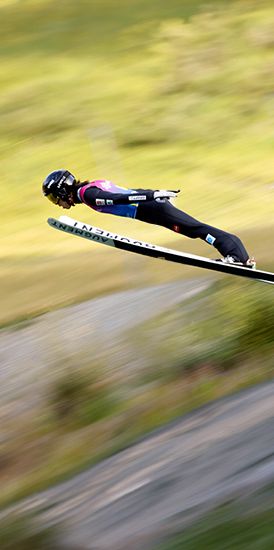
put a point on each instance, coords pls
(160, 95)
(153, 95)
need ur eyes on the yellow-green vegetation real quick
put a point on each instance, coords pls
(213, 345)
(228, 326)
(232, 524)
(153, 94)
(23, 532)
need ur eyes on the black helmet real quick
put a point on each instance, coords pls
(58, 185)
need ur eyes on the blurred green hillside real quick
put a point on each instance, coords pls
(154, 94)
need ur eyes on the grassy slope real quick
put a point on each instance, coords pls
(71, 68)
(228, 528)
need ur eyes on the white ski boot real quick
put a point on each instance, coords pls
(250, 263)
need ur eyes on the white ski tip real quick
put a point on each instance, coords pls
(67, 220)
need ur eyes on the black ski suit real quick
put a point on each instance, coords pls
(104, 196)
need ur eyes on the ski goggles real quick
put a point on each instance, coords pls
(52, 198)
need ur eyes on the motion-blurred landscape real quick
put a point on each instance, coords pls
(98, 347)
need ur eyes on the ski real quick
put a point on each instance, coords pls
(95, 234)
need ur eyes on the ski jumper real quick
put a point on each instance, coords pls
(104, 196)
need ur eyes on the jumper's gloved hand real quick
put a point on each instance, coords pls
(165, 194)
